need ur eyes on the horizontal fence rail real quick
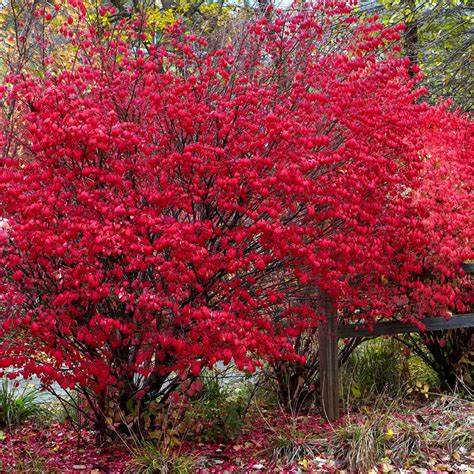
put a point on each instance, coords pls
(386, 328)
(330, 332)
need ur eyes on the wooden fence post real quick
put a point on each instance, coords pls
(329, 334)
(328, 362)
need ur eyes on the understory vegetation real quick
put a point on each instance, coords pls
(397, 417)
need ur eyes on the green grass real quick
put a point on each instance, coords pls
(17, 405)
(151, 458)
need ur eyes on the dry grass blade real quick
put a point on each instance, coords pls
(291, 445)
(361, 444)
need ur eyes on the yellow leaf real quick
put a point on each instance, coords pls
(304, 462)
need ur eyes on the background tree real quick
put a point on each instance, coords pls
(439, 38)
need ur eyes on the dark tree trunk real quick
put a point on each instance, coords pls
(411, 32)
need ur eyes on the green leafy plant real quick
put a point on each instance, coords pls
(17, 405)
(377, 366)
(220, 409)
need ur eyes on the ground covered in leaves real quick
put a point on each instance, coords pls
(433, 436)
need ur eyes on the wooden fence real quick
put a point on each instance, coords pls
(330, 333)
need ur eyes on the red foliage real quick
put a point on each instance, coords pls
(162, 206)
(57, 448)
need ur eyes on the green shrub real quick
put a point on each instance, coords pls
(419, 370)
(17, 405)
(220, 409)
(384, 366)
(449, 355)
(375, 367)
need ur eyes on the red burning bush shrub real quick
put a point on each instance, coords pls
(163, 205)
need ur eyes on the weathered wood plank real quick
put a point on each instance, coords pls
(328, 360)
(387, 328)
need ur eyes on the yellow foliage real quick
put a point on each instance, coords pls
(161, 19)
